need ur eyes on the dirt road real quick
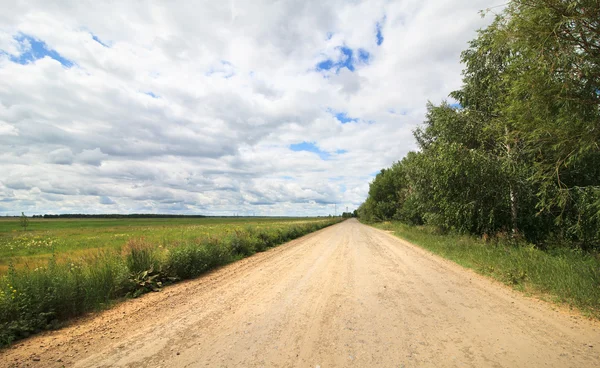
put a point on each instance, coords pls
(345, 296)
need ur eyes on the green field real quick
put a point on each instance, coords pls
(61, 268)
(74, 238)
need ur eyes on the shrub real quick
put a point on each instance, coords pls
(141, 256)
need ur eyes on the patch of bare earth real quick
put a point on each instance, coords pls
(346, 296)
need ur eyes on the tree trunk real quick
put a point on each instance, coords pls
(513, 210)
(513, 196)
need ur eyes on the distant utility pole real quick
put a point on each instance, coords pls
(335, 209)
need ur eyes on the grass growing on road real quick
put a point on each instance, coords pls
(564, 275)
(68, 284)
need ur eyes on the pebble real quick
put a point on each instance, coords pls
(36, 359)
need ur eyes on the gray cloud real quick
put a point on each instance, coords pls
(195, 111)
(61, 156)
(92, 157)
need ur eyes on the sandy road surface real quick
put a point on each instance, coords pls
(345, 296)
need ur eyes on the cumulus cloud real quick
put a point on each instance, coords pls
(195, 106)
(8, 129)
(61, 156)
(92, 157)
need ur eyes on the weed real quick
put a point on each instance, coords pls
(140, 256)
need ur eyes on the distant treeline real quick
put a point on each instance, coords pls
(148, 215)
(113, 216)
(520, 152)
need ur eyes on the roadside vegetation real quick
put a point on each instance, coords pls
(514, 159)
(561, 275)
(42, 295)
(78, 237)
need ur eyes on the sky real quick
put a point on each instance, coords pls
(217, 107)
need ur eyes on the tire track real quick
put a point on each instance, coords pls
(345, 296)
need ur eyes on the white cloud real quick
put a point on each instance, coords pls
(61, 156)
(92, 157)
(191, 106)
(7, 129)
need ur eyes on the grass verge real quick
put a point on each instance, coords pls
(32, 300)
(76, 238)
(563, 276)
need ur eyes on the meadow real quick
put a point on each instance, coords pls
(76, 238)
(62, 268)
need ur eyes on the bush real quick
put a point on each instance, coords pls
(141, 256)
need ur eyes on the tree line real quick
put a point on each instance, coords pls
(114, 216)
(519, 153)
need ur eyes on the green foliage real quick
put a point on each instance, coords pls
(141, 256)
(36, 299)
(520, 154)
(32, 300)
(24, 221)
(192, 259)
(148, 280)
(71, 238)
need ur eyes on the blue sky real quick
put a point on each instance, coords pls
(379, 33)
(275, 109)
(348, 58)
(312, 147)
(344, 118)
(34, 49)
(95, 38)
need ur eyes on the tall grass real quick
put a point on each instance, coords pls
(141, 255)
(38, 299)
(32, 300)
(564, 275)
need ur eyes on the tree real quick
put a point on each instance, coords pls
(24, 221)
(551, 99)
(458, 176)
(521, 150)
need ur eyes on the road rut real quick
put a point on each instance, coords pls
(345, 296)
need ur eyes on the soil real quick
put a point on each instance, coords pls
(345, 296)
